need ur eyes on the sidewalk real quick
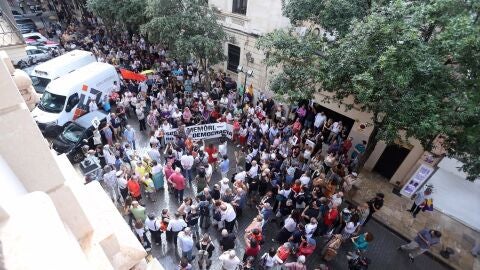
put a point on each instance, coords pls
(394, 215)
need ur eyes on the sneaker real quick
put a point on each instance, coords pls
(411, 258)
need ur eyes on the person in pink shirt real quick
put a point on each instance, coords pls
(178, 182)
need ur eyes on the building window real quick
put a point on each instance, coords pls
(233, 57)
(239, 7)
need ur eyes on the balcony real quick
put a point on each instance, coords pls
(9, 33)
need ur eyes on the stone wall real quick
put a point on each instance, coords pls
(49, 219)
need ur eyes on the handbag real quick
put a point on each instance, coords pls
(428, 205)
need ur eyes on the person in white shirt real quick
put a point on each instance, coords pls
(176, 225)
(264, 127)
(153, 225)
(186, 244)
(242, 175)
(187, 163)
(269, 260)
(222, 148)
(336, 127)
(228, 215)
(320, 119)
(109, 157)
(305, 179)
(229, 260)
(253, 172)
(336, 200)
(92, 105)
(311, 227)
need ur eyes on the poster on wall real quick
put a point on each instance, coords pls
(201, 132)
(417, 180)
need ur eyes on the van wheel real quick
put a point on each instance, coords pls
(77, 157)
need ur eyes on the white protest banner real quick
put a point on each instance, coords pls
(200, 132)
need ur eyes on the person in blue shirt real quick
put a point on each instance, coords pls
(224, 166)
(129, 135)
(425, 239)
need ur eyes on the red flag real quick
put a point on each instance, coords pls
(130, 75)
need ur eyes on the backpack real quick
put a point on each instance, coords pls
(204, 209)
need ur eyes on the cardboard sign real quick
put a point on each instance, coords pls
(95, 122)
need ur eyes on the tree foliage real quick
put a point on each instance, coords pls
(188, 28)
(130, 14)
(413, 64)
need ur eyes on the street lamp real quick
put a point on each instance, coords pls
(247, 73)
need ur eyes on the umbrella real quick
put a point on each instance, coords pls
(147, 72)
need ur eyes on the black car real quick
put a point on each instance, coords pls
(76, 134)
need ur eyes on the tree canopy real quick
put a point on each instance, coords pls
(413, 64)
(130, 14)
(188, 28)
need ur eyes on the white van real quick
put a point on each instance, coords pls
(55, 68)
(66, 98)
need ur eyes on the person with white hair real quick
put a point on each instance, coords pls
(224, 185)
(109, 156)
(186, 243)
(229, 260)
(253, 171)
(228, 215)
(298, 265)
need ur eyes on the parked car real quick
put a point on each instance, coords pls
(26, 25)
(35, 36)
(46, 44)
(34, 55)
(76, 134)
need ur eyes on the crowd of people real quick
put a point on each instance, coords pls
(294, 168)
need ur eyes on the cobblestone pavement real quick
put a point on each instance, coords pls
(382, 251)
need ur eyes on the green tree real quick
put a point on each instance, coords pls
(412, 64)
(189, 28)
(104, 9)
(129, 14)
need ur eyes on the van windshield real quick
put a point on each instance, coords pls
(51, 103)
(73, 133)
(40, 83)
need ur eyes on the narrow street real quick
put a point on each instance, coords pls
(382, 251)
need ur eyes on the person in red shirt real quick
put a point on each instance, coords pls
(329, 220)
(346, 145)
(212, 152)
(252, 248)
(215, 115)
(134, 188)
(178, 182)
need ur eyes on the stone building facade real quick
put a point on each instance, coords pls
(49, 218)
(245, 21)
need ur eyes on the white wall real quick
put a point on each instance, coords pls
(454, 195)
(263, 16)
